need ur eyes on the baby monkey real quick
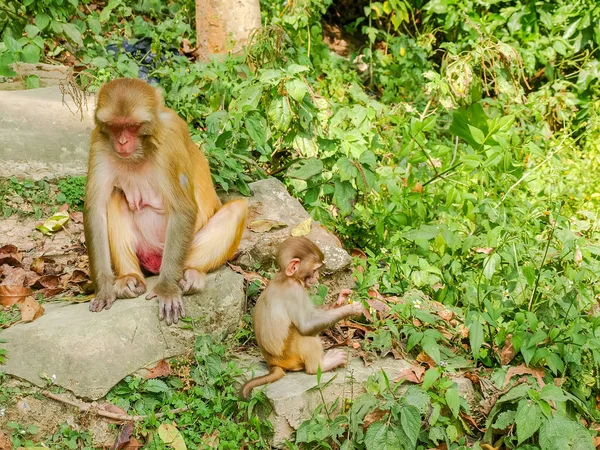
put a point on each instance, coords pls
(287, 324)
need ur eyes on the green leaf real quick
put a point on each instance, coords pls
(505, 419)
(430, 377)
(32, 82)
(73, 33)
(475, 337)
(348, 171)
(562, 433)
(280, 114)
(343, 196)
(42, 20)
(411, 424)
(155, 385)
(6, 59)
(305, 169)
(106, 12)
(554, 393)
(453, 401)
(432, 348)
(12, 44)
(248, 99)
(368, 158)
(305, 145)
(99, 62)
(297, 89)
(490, 264)
(529, 273)
(170, 435)
(477, 134)
(293, 69)
(256, 126)
(528, 419)
(31, 53)
(380, 436)
(94, 25)
(31, 30)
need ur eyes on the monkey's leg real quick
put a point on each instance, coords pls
(214, 244)
(314, 357)
(121, 236)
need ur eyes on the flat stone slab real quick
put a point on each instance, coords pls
(88, 353)
(40, 136)
(271, 201)
(294, 399)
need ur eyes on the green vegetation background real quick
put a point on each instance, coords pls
(456, 143)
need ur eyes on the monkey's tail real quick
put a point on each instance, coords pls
(275, 373)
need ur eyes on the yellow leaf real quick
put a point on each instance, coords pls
(170, 435)
(54, 223)
(262, 225)
(303, 228)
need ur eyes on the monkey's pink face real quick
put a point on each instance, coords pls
(312, 277)
(125, 138)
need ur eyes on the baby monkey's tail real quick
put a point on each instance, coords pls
(275, 373)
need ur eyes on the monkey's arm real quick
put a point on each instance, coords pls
(98, 191)
(182, 213)
(310, 321)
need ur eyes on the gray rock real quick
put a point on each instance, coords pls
(271, 200)
(294, 399)
(40, 136)
(88, 353)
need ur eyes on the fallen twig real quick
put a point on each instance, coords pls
(88, 407)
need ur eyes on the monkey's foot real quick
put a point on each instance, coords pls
(192, 281)
(129, 286)
(102, 301)
(334, 358)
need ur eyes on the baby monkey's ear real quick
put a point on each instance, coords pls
(292, 267)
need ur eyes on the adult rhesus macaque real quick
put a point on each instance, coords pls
(151, 203)
(287, 324)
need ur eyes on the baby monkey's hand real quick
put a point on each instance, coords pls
(342, 298)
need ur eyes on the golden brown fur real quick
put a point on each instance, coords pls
(287, 324)
(150, 199)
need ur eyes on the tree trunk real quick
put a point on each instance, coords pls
(224, 25)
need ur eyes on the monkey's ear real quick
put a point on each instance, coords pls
(292, 267)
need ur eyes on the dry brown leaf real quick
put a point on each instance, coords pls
(484, 250)
(162, 369)
(373, 416)
(64, 207)
(464, 331)
(30, 310)
(596, 442)
(248, 276)
(77, 217)
(9, 295)
(18, 276)
(211, 440)
(425, 359)
(413, 374)
(264, 225)
(133, 444)
(303, 228)
(357, 252)
(9, 254)
(508, 351)
(538, 374)
(418, 188)
(38, 265)
(78, 276)
(47, 281)
(446, 315)
(124, 437)
(5, 442)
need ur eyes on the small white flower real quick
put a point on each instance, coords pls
(506, 293)
(2, 412)
(443, 363)
(22, 431)
(53, 377)
(417, 304)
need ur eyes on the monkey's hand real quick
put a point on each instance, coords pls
(103, 300)
(342, 297)
(356, 309)
(170, 301)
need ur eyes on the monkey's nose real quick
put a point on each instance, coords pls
(123, 140)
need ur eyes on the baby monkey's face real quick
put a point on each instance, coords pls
(312, 277)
